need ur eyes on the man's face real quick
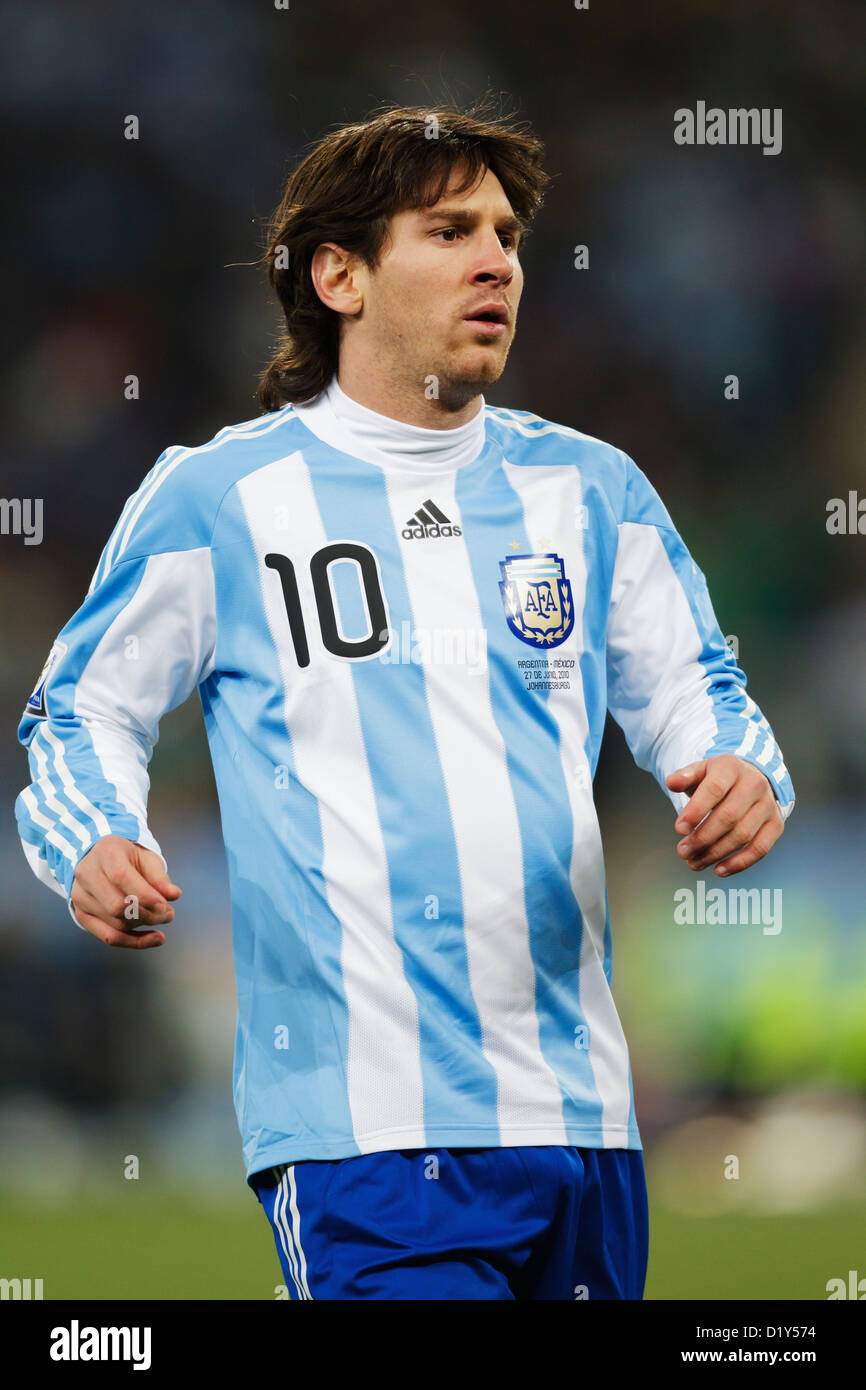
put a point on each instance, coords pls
(440, 266)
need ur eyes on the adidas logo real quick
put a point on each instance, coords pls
(427, 523)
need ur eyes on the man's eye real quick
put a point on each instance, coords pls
(507, 238)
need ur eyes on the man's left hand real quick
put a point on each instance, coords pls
(733, 805)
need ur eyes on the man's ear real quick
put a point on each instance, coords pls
(337, 278)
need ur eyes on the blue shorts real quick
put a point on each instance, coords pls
(544, 1222)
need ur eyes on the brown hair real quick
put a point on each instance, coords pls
(347, 188)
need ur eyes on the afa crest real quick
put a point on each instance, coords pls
(36, 702)
(539, 607)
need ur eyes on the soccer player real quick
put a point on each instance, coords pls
(406, 613)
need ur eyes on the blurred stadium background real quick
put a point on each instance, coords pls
(121, 257)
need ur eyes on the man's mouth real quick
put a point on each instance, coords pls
(489, 319)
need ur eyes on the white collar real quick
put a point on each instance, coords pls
(391, 444)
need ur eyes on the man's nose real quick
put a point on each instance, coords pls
(494, 260)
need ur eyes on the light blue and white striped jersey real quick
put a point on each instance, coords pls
(404, 659)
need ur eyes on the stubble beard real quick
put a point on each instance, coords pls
(457, 389)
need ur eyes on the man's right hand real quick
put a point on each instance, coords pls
(119, 887)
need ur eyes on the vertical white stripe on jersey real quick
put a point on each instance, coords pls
(330, 760)
(658, 691)
(550, 496)
(472, 755)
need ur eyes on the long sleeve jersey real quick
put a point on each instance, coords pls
(405, 642)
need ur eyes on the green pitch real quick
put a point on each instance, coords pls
(166, 1248)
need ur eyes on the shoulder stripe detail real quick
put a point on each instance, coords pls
(177, 454)
(504, 417)
(107, 559)
(527, 415)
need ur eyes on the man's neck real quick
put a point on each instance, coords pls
(394, 445)
(411, 408)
